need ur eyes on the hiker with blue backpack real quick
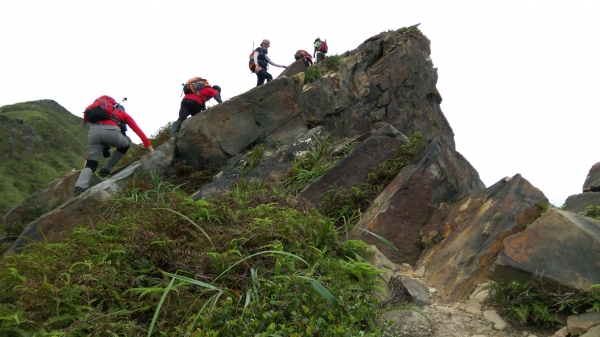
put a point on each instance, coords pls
(197, 92)
(260, 62)
(107, 118)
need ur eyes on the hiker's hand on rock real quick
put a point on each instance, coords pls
(150, 148)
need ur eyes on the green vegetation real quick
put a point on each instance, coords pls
(592, 212)
(344, 205)
(313, 73)
(254, 157)
(314, 163)
(155, 262)
(332, 62)
(533, 303)
(33, 152)
(406, 33)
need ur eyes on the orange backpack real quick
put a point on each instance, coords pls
(194, 84)
(251, 64)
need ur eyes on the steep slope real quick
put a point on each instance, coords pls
(39, 141)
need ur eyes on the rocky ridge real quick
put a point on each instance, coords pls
(452, 233)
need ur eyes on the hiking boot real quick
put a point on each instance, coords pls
(103, 172)
(79, 190)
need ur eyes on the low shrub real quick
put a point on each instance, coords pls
(533, 302)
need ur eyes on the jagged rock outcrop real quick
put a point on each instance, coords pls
(473, 231)
(561, 248)
(388, 79)
(592, 181)
(405, 206)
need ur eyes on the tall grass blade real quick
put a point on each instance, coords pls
(192, 222)
(261, 253)
(381, 238)
(160, 303)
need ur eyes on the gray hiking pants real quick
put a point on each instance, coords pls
(100, 135)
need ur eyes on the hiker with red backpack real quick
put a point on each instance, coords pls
(320, 49)
(305, 56)
(107, 118)
(260, 62)
(197, 92)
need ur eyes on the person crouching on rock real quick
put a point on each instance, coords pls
(195, 102)
(107, 132)
(305, 56)
(262, 62)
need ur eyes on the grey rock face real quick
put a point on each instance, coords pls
(577, 203)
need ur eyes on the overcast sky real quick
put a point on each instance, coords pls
(519, 79)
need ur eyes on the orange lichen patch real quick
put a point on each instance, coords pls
(515, 247)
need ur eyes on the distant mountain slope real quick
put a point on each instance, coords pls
(39, 141)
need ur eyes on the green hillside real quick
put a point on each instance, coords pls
(39, 141)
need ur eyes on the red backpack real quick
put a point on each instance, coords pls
(103, 108)
(323, 48)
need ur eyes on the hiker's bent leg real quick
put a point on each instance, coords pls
(184, 112)
(175, 127)
(259, 79)
(110, 135)
(262, 76)
(114, 158)
(94, 151)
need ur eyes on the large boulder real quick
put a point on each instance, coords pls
(577, 203)
(211, 138)
(561, 248)
(474, 229)
(273, 168)
(592, 181)
(295, 68)
(407, 203)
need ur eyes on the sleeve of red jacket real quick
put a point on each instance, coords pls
(208, 92)
(133, 125)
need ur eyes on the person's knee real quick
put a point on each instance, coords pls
(123, 150)
(92, 164)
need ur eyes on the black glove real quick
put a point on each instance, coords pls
(106, 151)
